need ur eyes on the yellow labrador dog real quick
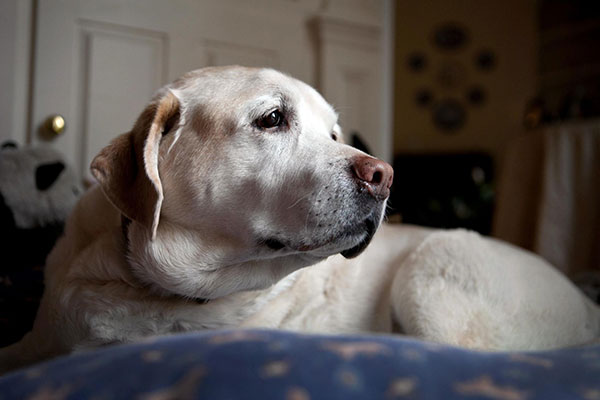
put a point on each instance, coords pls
(231, 182)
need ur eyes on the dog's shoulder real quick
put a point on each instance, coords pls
(91, 231)
(93, 215)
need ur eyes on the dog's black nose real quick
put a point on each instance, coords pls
(374, 175)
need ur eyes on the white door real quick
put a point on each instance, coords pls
(98, 62)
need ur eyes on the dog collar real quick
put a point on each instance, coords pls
(125, 222)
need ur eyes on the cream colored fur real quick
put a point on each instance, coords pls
(207, 189)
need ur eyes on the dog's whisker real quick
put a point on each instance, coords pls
(311, 208)
(298, 201)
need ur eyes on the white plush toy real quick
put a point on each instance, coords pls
(37, 191)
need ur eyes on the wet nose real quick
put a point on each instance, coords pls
(374, 175)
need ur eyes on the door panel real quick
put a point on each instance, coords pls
(117, 62)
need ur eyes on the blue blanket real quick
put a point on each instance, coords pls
(261, 364)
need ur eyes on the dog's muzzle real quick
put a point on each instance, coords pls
(374, 177)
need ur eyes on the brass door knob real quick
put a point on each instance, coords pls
(56, 124)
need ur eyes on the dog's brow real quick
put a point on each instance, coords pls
(334, 121)
(272, 100)
(284, 100)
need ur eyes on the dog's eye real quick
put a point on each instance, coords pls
(271, 120)
(334, 136)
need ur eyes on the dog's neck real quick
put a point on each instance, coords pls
(224, 312)
(125, 224)
(193, 264)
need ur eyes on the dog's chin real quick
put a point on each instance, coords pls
(369, 227)
(350, 241)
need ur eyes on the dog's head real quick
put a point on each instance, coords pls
(235, 177)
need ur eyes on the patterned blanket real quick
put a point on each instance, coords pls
(258, 364)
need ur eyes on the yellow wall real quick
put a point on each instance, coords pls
(508, 28)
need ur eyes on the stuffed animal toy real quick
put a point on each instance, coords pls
(37, 191)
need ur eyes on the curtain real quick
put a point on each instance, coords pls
(549, 195)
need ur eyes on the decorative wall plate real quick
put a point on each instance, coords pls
(476, 95)
(450, 36)
(449, 115)
(416, 61)
(485, 60)
(423, 97)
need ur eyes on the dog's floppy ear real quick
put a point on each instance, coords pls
(127, 168)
